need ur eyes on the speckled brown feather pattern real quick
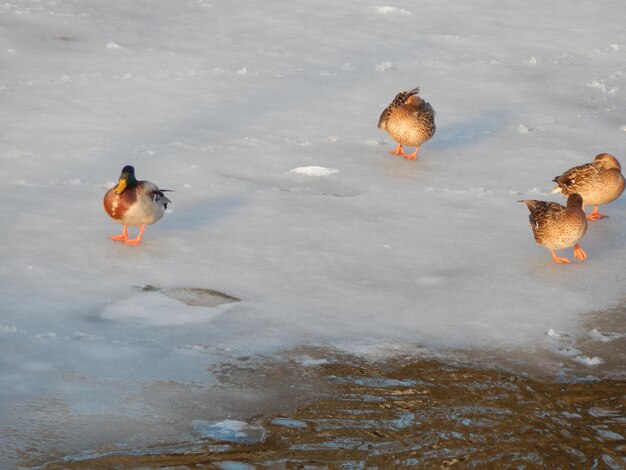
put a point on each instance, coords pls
(409, 120)
(599, 182)
(555, 226)
(400, 99)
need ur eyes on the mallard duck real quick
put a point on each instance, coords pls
(409, 120)
(598, 183)
(136, 203)
(556, 227)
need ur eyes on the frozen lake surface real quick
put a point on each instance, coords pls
(263, 122)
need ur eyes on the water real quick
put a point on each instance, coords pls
(402, 412)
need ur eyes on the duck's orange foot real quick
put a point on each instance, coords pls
(595, 215)
(558, 259)
(120, 238)
(135, 241)
(397, 151)
(410, 156)
(579, 253)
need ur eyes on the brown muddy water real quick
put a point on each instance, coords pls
(348, 412)
(557, 404)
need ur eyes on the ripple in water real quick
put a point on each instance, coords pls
(409, 413)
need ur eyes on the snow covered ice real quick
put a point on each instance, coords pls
(263, 122)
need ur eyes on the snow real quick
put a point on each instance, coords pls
(389, 9)
(219, 101)
(314, 171)
(383, 66)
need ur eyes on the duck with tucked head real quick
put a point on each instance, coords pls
(134, 203)
(556, 227)
(599, 182)
(409, 120)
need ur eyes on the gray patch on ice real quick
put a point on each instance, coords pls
(301, 184)
(195, 296)
(479, 191)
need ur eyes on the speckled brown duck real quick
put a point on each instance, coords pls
(409, 120)
(599, 182)
(557, 227)
(134, 203)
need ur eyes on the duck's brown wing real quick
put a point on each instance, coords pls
(576, 176)
(399, 100)
(542, 210)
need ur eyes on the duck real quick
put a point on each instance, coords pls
(409, 120)
(598, 182)
(134, 203)
(557, 227)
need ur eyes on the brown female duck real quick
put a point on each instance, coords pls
(599, 182)
(557, 227)
(409, 120)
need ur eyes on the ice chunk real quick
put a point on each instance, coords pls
(605, 338)
(314, 171)
(589, 361)
(390, 9)
(229, 431)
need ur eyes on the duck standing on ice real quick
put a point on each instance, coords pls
(599, 182)
(136, 203)
(409, 120)
(557, 227)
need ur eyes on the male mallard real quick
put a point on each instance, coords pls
(599, 182)
(136, 203)
(409, 120)
(557, 227)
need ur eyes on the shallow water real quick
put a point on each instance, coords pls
(401, 412)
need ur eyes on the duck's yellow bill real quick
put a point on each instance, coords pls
(121, 186)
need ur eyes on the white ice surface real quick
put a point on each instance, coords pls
(314, 171)
(218, 101)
